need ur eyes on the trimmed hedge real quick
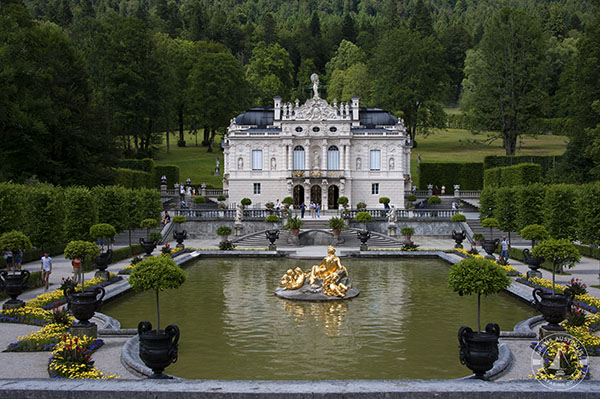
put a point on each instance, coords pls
(510, 176)
(560, 211)
(170, 171)
(126, 252)
(145, 165)
(545, 162)
(587, 251)
(130, 178)
(468, 175)
(36, 254)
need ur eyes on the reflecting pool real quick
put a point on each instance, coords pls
(403, 325)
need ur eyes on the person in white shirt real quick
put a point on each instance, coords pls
(46, 269)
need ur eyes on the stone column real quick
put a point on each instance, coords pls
(324, 156)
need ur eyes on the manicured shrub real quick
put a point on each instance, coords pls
(126, 252)
(102, 231)
(407, 231)
(492, 178)
(487, 203)
(511, 176)
(534, 232)
(411, 198)
(147, 203)
(293, 223)
(363, 217)
(560, 211)
(246, 202)
(199, 199)
(530, 205)
(171, 172)
(337, 223)
(113, 205)
(343, 201)
(288, 201)
(145, 165)
(458, 218)
(14, 241)
(384, 200)
(45, 216)
(468, 175)
(224, 230)
(588, 205)
(222, 198)
(490, 223)
(361, 205)
(178, 219)
(129, 178)
(12, 204)
(546, 162)
(81, 213)
(272, 219)
(506, 208)
(434, 200)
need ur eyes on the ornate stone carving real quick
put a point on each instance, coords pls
(316, 109)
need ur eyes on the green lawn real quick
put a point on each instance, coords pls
(451, 145)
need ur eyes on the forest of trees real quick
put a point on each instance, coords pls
(86, 82)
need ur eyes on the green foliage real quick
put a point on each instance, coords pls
(561, 252)
(113, 205)
(81, 250)
(343, 201)
(149, 223)
(293, 223)
(270, 72)
(222, 198)
(506, 208)
(490, 222)
(223, 230)
(384, 200)
(178, 219)
(12, 203)
(478, 237)
(434, 200)
(129, 178)
(588, 204)
(246, 202)
(361, 205)
(535, 232)
(155, 236)
(102, 230)
(199, 199)
(411, 198)
(14, 240)
(272, 219)
(126, 252)
(145, 165)
(487, 203)
(510, 176)
(170, 171)
(477, 276)
(560, 211)
(363, 217)
(407, 231)
(546, 162)
(530, 205)
(157, 273)
(469, 175)
(45, 216)
(288, 201)
(337, 223)
(458, 217)
(81, 212)
(147, 204)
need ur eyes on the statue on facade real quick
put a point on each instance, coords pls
(392, 217)
(315, 79)
(325, 281)
(239, 214)
(316, 160)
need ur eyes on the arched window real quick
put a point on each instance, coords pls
(298, 158)
(333, 158)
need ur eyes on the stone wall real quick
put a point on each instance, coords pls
(422, 228)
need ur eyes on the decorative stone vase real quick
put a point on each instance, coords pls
(84, 304)
(103, 260)
(272, 236)
(479, 350)
(179, 236)
(363, 236)
(554, 307)
(489, 246)
(147, 246)
(158, 349)
(458, 238)
(14, 284)
(531, 261)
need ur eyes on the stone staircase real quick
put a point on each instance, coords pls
(515, 238)
(377, 240)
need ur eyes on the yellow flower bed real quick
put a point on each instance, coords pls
(507, 268)
(28, 313)
(71, 358)
(57, 295)
(570, 353)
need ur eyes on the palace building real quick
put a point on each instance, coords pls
(317, 152)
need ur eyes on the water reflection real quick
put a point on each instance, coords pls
(327, 316)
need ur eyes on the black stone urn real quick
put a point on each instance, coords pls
(84, 304)
(272, 236)
(479, 350)
(147, 246)
(489, 246)
(104, 260)
(14, 284)
(554, 307)
(458, 238)
(179, 236)
(158, 349)
(363, 236)
(531, 261)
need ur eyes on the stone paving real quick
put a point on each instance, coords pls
(107, 358)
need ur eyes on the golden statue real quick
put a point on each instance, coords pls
(330, 271)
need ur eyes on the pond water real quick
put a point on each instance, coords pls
(403, 325)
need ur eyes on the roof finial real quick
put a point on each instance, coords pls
(315, 79)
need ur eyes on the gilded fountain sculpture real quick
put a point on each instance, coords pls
(323, 282)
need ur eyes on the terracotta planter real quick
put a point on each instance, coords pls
(479, 350)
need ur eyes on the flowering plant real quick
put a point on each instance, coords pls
(575, 317)
(71, 358)
(61, 316)
(67, 282)
(577, 286)
(568, 357)
(166, 249)
(136, 259)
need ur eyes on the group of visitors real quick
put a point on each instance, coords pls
(313, 207)
(13, 259)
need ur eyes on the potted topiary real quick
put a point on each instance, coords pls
(336, 224)
(554, 307)
(385, 201)
(363, 235)
(294, 224)
(224, 232)
(148, 244)
(199, 200)
(179, 235)
(221, 197)
(158, 348)
(533, 232)
(478, 350)
(288, 202)
(411, 198)
(478, 237)
(490, 245)
(246, 202)
(15, 282)
(83, 304)
(361, 206)
(458, 218)
(457, 236)
(407, 232)
(343, 201)
(434, 200)
(103, 232)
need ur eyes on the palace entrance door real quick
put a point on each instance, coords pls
(298, 195)
(333, 193)
(315, 195)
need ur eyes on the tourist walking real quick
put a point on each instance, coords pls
(318, 210)
(8, 257)
(302, 209)
(46, 269)
(17, 259)
(77, 276)
(504, 248)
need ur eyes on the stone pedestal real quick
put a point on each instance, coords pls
(364, 247)
(217, 171)
(544, 332)
(238, 229)
(13, 304)
(272, 247)
(293, 240)
(81, 330)
(392, 230)
(534, 273)
(103, 274)
(163, 188)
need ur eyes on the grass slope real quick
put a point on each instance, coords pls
(450, 145)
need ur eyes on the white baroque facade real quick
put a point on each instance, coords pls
(317, 152)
